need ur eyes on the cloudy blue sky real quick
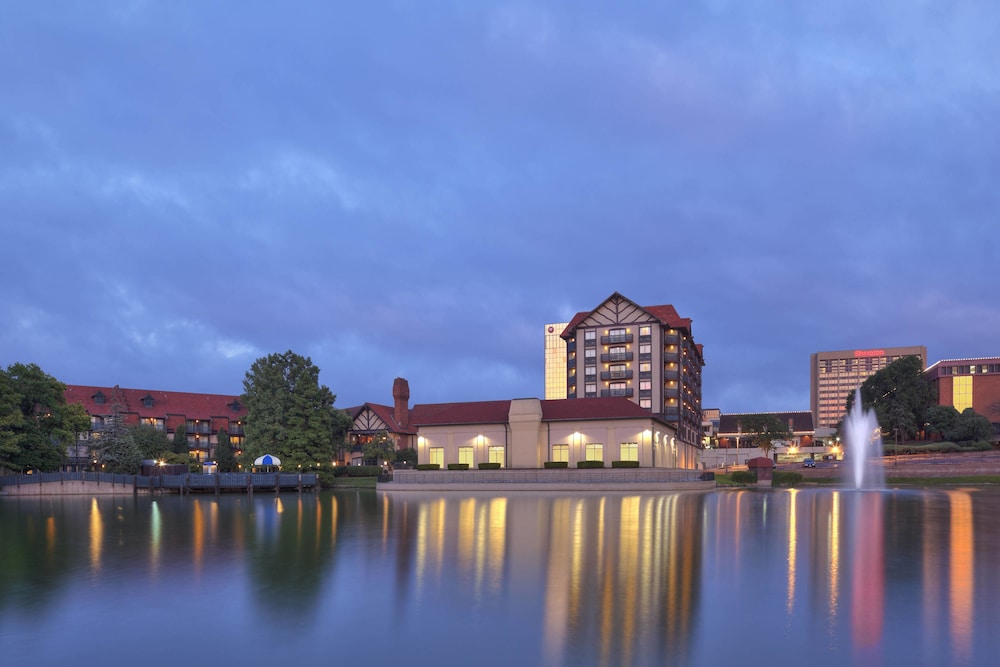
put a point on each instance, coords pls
(414, 188)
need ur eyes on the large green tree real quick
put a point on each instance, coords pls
(380, 448)
(766, 431)
(289, 413)
(36, 424)
(900, 395)
(153, 443)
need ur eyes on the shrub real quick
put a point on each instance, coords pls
(458, 466)
(362, 471)
(428, 466)
(743, 477)
(624, 464)
(556, 464)
(489, 466)
(980, 446)
(786, 478)
(590, 464)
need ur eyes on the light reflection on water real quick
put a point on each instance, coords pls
(831, 576)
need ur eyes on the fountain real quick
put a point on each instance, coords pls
(864, 446)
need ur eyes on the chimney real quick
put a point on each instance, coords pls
(401, 400)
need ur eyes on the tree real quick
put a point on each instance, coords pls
(380, 448)
(765, 431)
(971, 426)
(152, 443)
(179, 445)
(289, 413)
(941, 419)
(225, 457)
(118, 451)
(36, 424)
(899, 394)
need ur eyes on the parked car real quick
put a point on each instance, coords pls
(809, 463)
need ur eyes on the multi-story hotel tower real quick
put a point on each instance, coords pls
(834, 375)
(645, 354)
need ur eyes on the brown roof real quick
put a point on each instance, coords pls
(385, 413)
(569, 409)
(476, 412)
(190, 406)
(666, 314)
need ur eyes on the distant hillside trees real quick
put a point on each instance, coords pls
(36, 423)
(289, 413)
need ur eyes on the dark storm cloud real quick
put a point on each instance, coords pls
(416, 188)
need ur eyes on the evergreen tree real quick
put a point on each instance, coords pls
(118, 450)
(152, 443)
(179, 445)
(225, 457)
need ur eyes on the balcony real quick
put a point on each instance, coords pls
(616, 375)
(618, 338)
(627, 392)
(616, 356)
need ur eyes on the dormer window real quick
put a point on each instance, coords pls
(98, 398)
(147, 401)
(235, 405)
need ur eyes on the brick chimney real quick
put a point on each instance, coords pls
(401, 401)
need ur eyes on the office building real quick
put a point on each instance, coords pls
(555, 361)
(969, 383)
(833, 376)
(643, 353)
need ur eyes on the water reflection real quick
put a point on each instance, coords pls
(841, 577)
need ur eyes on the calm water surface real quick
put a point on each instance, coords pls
(821, 577)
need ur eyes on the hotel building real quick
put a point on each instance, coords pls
(834, 375)
(645, 354)
(969, 383)
(203, 416)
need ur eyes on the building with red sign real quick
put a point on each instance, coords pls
(833, 376)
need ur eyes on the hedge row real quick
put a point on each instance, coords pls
(744, 477)
(786, 478)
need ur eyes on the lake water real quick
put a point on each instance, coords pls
(816, 577)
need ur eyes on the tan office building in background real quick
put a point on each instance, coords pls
(555, 361)
(834, 375)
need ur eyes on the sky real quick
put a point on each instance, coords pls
(415, 188)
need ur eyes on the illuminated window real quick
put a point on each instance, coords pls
(961, 396)
(629, 451)
(496, 454)
(646, 403)
(644, 330)
(617, 388)
(590, 370)
(645, 367)
(590, 353)
(465, 455)
(645, 348)
(436, 455)
(560, 453)
(594, 451)
(590, 335)
(590, 390)
(645, 385)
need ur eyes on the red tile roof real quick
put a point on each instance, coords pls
(476, 412)
(384, 412)
(666, 314)
(190, 406)
(576, 409)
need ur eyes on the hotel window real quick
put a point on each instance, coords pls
(594, 451)
(617, 388)
(560, 453)
(645, 348)
(646, 403)
(465, 455)
(617, 370)
(617, 335)
(436, 455)
(645, 367)
(590, 337)
(629, 451)
(644, 330)
(590, 370)
(590, 390)
(590, 353)
(962, 393)
(496, 454)
(645, 385)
